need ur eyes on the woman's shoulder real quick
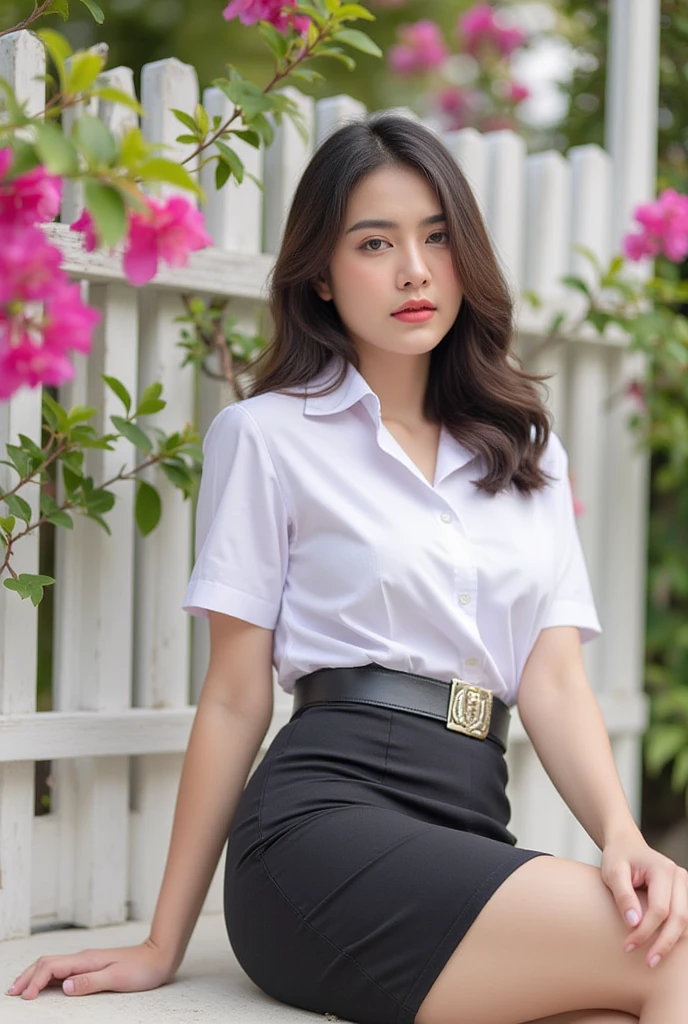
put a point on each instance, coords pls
(268, 413)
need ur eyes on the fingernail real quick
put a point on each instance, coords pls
(629, 948)
(10, 990)
(68, 985)
(632, 917)
(655, 960)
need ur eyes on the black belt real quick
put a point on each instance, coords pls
(463, 707)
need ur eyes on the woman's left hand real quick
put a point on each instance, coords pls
(628, 864)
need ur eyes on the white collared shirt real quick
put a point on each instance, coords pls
(314, 522)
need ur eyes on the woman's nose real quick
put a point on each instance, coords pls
(413, 270)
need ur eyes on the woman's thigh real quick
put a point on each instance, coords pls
(589, 1017)
(548, 942)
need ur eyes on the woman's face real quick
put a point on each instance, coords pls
(393, 250)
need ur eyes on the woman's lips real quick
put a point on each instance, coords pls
(414, 316)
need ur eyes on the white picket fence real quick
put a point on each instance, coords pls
(127, 662)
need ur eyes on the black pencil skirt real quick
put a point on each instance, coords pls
(364, 846)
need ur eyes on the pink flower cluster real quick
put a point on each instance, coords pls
(168, 231)
(275, 11)
(421, 48)
(34, 346)
(478, 28)
(664, 229)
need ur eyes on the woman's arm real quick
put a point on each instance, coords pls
(562, 718)
(233, 715)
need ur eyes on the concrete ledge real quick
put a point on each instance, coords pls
(210, 987)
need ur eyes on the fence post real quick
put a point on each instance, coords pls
(22, 60)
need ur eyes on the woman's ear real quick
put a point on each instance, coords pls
(322, 288)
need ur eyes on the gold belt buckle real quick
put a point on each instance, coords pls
(470, 709)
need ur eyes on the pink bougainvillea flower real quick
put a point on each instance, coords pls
(516, 93)
(636, 391)
(170, 231)
(421, 48)
(478, 27)
(275, 11)
(29, 265)
(664, 225)
(85, 225)
(69, 322)
(29, 363)
(459, 107)
(30, 198)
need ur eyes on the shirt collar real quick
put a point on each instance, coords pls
(452, 455)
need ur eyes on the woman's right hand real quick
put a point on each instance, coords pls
(127, 969)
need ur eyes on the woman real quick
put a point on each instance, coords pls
(388, 520)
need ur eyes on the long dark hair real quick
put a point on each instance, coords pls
(476, 387)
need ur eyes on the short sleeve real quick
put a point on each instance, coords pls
(572, 602)
(242, 525)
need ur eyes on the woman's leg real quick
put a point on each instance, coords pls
(550, 941)
(589, 1017)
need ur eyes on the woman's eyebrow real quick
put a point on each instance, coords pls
(436, 218)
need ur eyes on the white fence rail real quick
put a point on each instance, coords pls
(127, 662)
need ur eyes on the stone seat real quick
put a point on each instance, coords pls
(210, 987)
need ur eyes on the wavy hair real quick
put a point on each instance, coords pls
(476, 386)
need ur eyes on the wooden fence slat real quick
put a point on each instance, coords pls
(22, 59)
(162, 630)
(468, 148)
(285, 160)
(506, 153)
(333, 112)
(234, 214)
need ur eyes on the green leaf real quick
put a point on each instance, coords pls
(60, 7)
(169, 171)
(56, 45)
(60, 518)
(109, 212)
(359, 41)
(18, 507)
(202, 119)
(80, 413)
(99, 501)
(275, 40)
(21, 460)
(148, 508)
(186, 119)
(134, 434)
(119, 389)
(32, 448)
(150, 400)
(222, 174)
(232, 160)
(96, 11)
(30, 586)
(349, 12)
(112, 95)
(335, 53)
(180, 476)
(244, 94)
(307, 74)
(56, 151)
(95, 140)
(7, 524)
(84, 68)
(132, 149)
(662, 745)
(577, 283)
(59, 414)
(264, 128)
(253, 138)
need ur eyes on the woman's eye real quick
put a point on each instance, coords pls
(374, 244)
(439, 236)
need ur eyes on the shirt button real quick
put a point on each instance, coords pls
(446, 517)
(465, 599)
(471, 661)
